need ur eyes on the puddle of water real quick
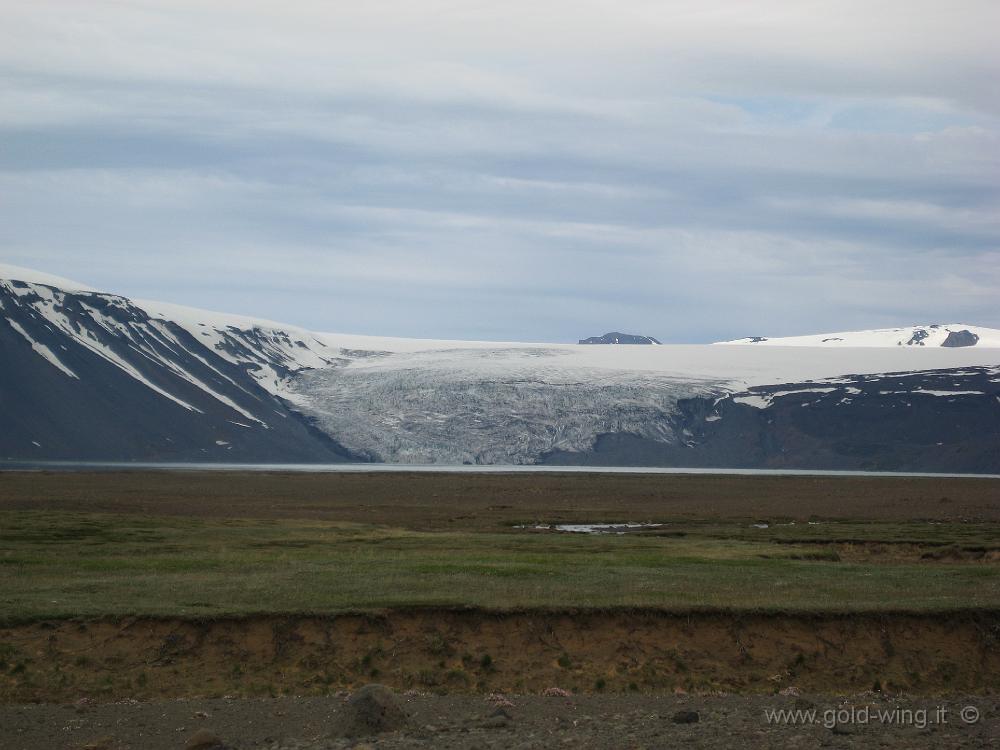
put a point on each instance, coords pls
(594, 528)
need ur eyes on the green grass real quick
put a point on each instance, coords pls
(55, 564)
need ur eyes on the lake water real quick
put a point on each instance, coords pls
(458, 469)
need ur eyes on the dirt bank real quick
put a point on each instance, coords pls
(474, 651)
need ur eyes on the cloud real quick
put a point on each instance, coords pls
(526, 171)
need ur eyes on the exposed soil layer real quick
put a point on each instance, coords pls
(492, 501)
(522, 722)
(468, 651)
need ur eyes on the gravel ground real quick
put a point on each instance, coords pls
(594, 721)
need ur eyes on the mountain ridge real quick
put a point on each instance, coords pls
(619, 338)
(96, 376)
(935, 334)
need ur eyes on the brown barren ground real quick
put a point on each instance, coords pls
(460, 722)
(427, 501)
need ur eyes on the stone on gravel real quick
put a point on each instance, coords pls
(496, 722)
(686, 717)
(204, 740)
(372, 710)
(499, 719)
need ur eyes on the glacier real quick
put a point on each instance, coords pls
(203, 385)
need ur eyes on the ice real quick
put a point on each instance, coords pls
(921, 336)
(927, 392)
(31, 276)
(754, 400)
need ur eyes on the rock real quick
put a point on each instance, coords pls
(555, 692)
(960, 338)
(619, 338)
(372, 710)
(498, 699)
(841, 729)
(686, 717)
(204, 740)
(804, 704)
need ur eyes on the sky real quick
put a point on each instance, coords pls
(532, 171)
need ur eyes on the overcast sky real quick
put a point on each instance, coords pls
(537, 171)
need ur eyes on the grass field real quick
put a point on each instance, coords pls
(185, 584)
(61, 564)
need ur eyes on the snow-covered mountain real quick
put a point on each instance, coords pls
(88, 375)
(951, 335)
(93, 376)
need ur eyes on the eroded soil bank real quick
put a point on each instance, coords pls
(470, 651)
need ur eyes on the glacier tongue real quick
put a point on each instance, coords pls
(481, 406)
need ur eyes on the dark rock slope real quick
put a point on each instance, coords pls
(936, 421)
(89, 376)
